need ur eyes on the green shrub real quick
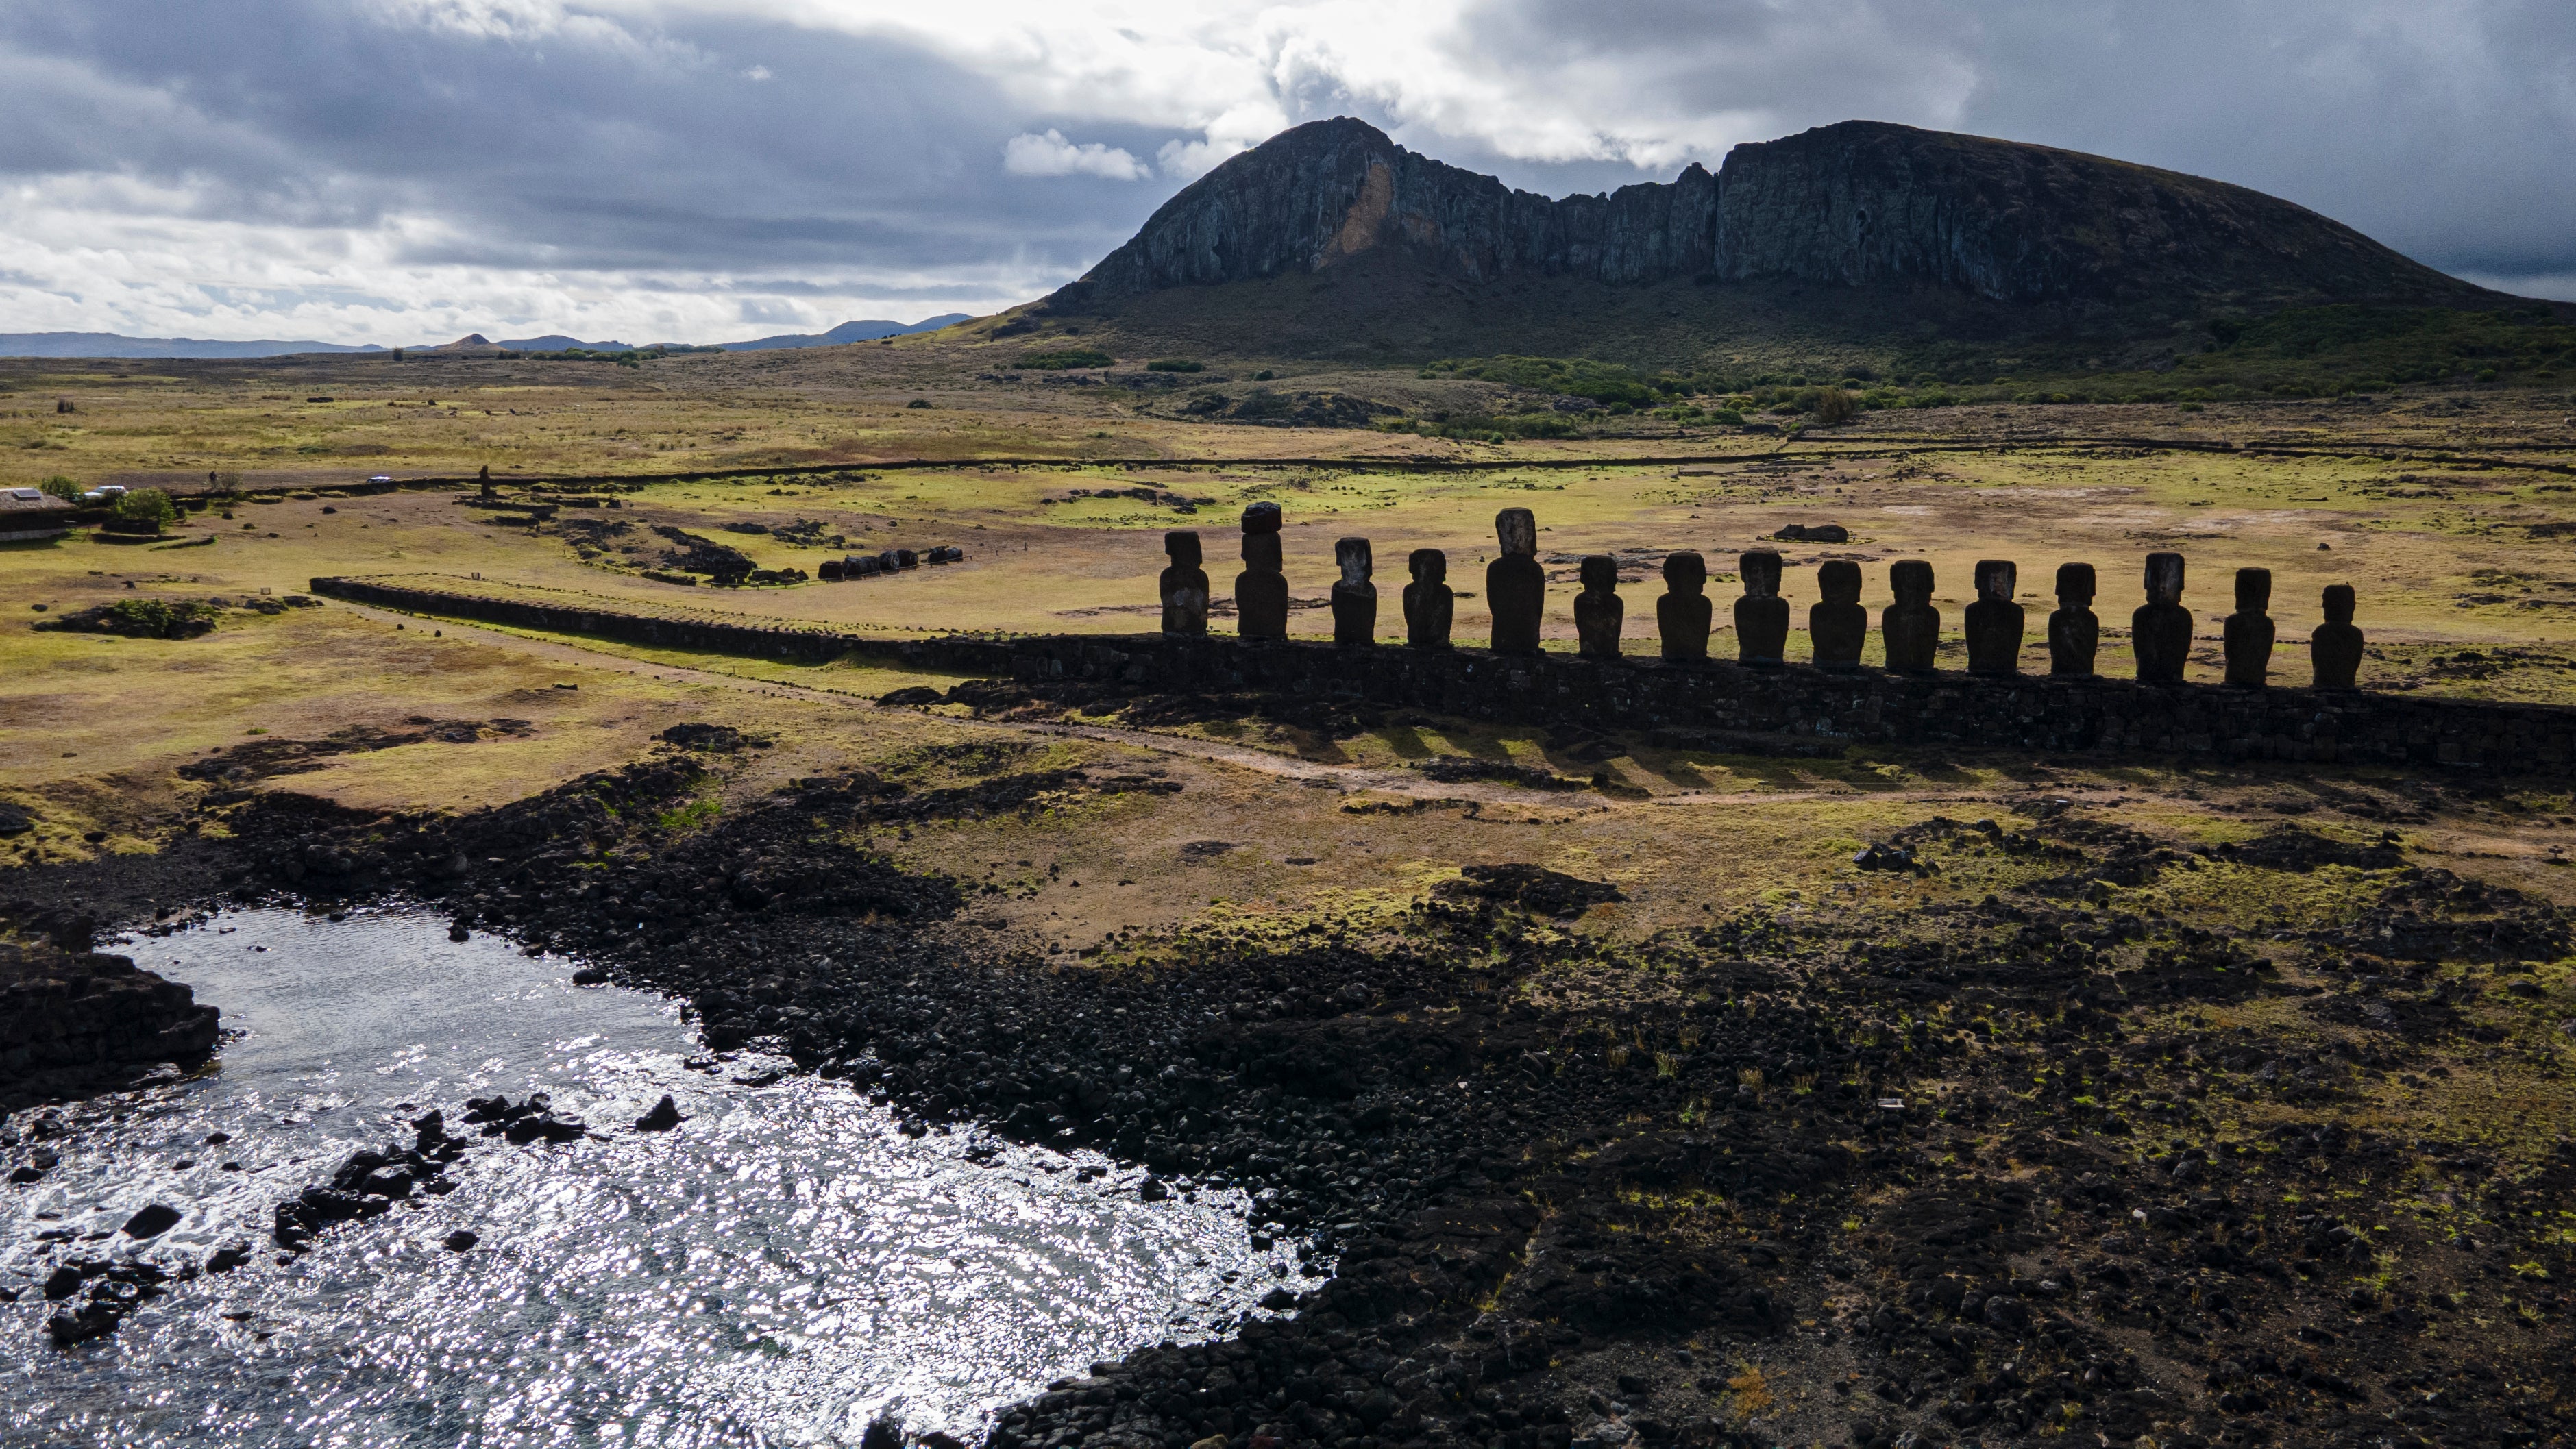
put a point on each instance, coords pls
(62, 488)
(1173, 364)
(1833, 405)
(1067, 357)
(140, 619)
(144, 510)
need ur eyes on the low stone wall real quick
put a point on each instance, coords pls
(2032, 712)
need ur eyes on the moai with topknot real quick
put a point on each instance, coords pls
(1838, 625)
(1515, 586)
(2073, 633)
(1994, 622)
(1761, 615)
(2160, 631)
(2335, 648)
(2248, 633)
(1184, 585)
(1910, 627)
(1354, 595)
(1428, 605)
(1682, 614)
(1599, 612)
(1261, 590)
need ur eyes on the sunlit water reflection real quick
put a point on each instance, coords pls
(781, 1269)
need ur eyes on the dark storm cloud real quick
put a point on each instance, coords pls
(658, 147)
(591, 146)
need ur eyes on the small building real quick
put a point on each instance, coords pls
(32, 515)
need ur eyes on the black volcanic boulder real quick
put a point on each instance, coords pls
(66, 1012)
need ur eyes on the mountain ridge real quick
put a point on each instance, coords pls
(1332, 234)
(118, 345)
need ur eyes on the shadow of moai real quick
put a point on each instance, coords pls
(2334, 650)
(1682, 615)
(1993, 624)
(1761, 615)
(2160, 631)
(1599, 612)
(1515, 585)
(1910, 627)
(1261, 590)
(2074, 635)
(1354, 594)
(2248, 633)
(1837, 625)
(1429, 606)
(1184, 585)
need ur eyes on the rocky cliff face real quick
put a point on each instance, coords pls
(1857, 203)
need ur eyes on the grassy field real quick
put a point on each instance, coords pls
(2450, 513)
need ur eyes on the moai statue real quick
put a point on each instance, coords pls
(1910, 627)
(1428, 604)
(2073, 633)
(1515, 586)
(1354, 597)
(1837, 624)
(1598, 611)
(1261, 590)
(1184, 585)
(2160, 631)
(1994, 622)
(2248, 631)
(484, 478)
(2335, 647)
(1761, 615)
(1682, 614)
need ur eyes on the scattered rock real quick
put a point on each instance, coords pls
(664, 1116)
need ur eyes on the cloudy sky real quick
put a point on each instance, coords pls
(701, 170)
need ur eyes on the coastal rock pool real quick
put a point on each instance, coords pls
(784, 1268)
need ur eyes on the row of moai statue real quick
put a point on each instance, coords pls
(1909, 628)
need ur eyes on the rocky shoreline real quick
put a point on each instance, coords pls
(74, 1021)
(1785, 1183)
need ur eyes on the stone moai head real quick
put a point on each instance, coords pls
(1262, 518)
(1996, 578)
(1517, 528)
(1600, 573)
(2075, 585)
(1910, 579)
(1685, 572)
(1839, 581)
(1353, 555)
(2253, 590)
(1429, 566)
(2338, 603)
(2164, 578)
(1183, 546)
(1760, 571)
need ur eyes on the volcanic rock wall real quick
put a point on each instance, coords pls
(1855, 203)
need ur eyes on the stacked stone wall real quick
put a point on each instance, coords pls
(2040, 713)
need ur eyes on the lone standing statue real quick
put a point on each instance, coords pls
(2335, 648)
(1599, 613)
(1910, 627)
(1184, 585)
(1354, 596)
(1682, 614)
(1994, 622)
(2248, 631)
(2073, 633)
(1428, 605)
(1515, 586)
(1837, 625)
(1761, 615)
(2160, 631)
(1261, 590)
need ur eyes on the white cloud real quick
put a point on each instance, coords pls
(388, 170)
(1051, 154)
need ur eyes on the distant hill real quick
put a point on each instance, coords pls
(110, 344)
(848, 332)
(1330, 239)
